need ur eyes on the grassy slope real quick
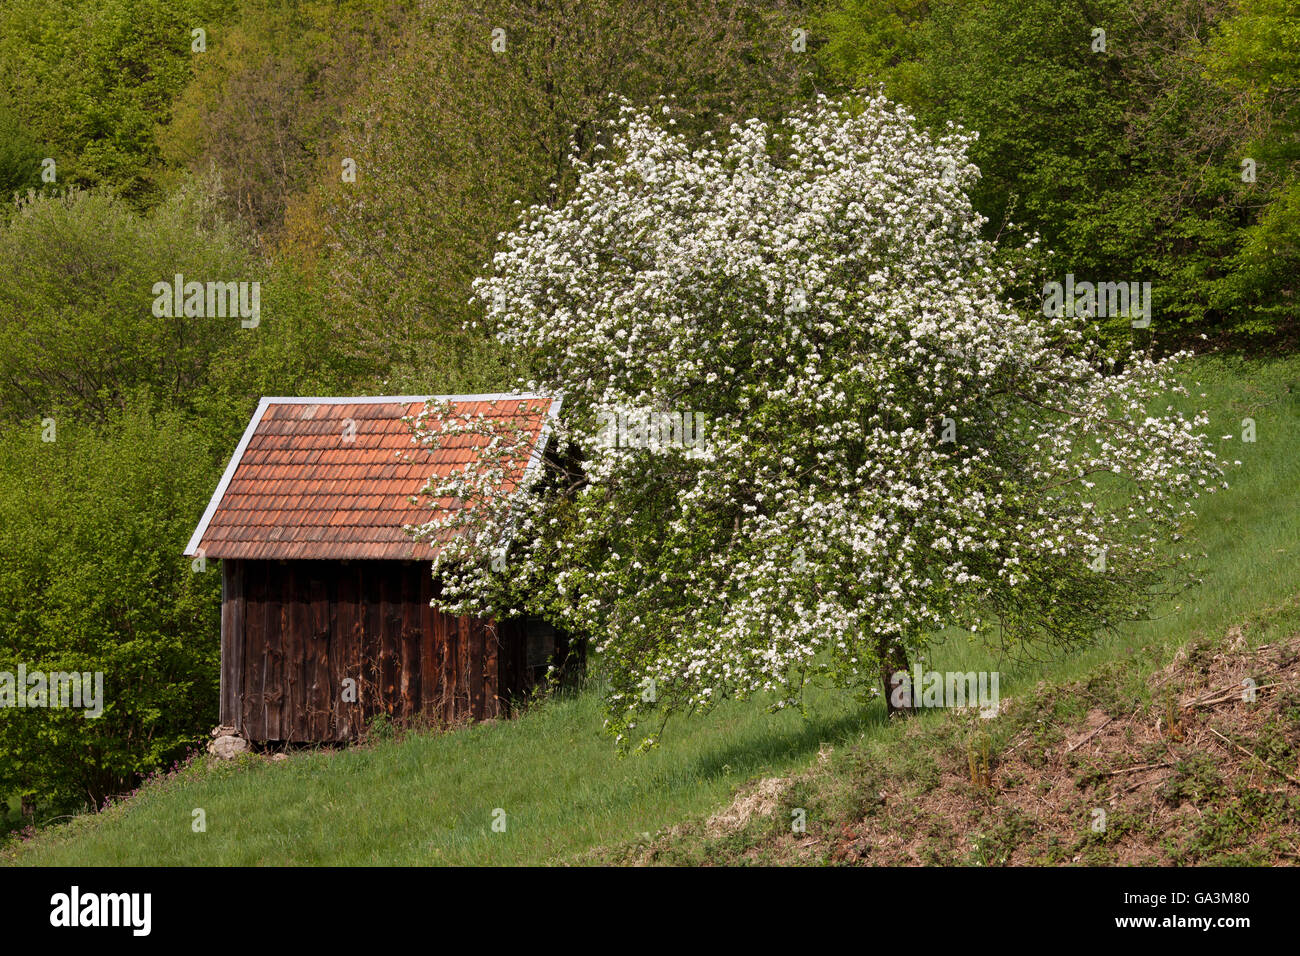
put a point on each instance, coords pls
(1123, 767)
(429, 799)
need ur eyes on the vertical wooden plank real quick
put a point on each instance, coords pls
(491, 673)
(430, 652)
(255, 651)
(499, 632)
(296, 650)
(357, 649)
(449, 638)
(277, 624)
(294, 704)
(375, 650)
(245, 683)
(408, 678)
(286, 677)
(473, 630)
(239, 642)
(225, 711)
(319, 688)
(391, 661)
(335, 645)
(343, 660)
(372, 640)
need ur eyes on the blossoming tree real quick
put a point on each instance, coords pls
(888, 448)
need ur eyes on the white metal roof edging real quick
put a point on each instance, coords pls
(544, 436)
(534, 462)
(390, 399)
(191, 549)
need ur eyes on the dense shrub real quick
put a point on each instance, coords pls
(92, 578)
(77, 329)
(1127, 159)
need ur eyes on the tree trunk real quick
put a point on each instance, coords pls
(893, 659)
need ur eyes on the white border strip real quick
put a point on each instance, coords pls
(381, 399)
(535, 460)
(191, 549)
(543, 436)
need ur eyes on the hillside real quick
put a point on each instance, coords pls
(1174, 770)
(1143, 725)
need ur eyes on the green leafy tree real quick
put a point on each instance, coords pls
(91, 81)
(92, 526)
(1255, 55)
(78, 333)
(1103, 128)
(476, 114)
(269, 96)
(879, 446)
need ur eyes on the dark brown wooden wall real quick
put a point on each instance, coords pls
(293, 631)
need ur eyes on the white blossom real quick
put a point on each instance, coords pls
(828, 522)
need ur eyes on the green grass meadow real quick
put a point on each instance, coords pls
(430, 799)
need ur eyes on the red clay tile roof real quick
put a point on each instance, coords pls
(298, 487)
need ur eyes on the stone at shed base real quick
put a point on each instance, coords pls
(227, 747)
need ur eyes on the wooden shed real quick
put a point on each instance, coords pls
(325, 615)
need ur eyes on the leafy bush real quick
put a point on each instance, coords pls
(1125, 159)
(92, 80)
(92, 526)
(77, 329)
(457, 133)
